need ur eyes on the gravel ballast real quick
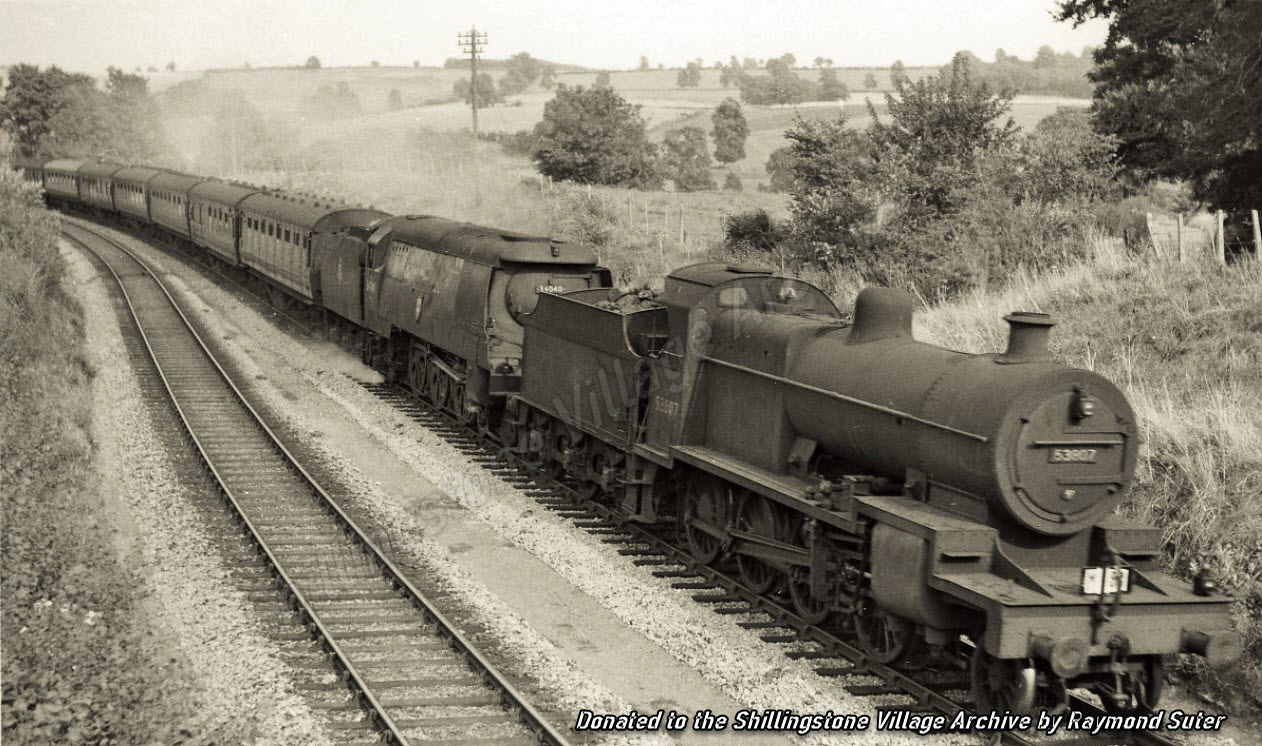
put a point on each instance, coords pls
(191, 594)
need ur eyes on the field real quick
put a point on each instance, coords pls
(279, 93)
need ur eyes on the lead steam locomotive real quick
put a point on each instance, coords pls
(922, 497)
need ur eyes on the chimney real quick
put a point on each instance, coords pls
(880, 313)
(1028, 333)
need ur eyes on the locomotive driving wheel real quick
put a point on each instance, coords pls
(756, 515)
(705, 501)
(1001, 685)
(814, 609)
(884, 637)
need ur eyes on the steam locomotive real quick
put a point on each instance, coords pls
(922, 496)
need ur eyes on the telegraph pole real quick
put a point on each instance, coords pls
(471, 44)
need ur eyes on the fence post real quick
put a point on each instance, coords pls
(1257, 236)
(1180, 216)
(1221, 242)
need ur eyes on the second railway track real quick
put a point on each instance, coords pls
(407, 666)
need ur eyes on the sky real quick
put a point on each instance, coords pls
(196, 34)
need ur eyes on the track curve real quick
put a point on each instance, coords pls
(352, 598)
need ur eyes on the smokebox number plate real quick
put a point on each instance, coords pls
(1098, 580)
(1073, 455)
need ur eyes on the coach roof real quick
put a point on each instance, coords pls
(485, 245)
(139, 175)
(298, 210)
(222, 192)
(64, 165)
(174, 182)
(98, 169)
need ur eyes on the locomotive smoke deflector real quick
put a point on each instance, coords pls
(1028, 333)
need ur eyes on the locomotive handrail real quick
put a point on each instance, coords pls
(848, 399)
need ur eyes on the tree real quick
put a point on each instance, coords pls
(395, 100)
(488, 95)
(240, 138)
(732, 183)
(1045, 57)
(333, 102)
(686, 159)
(32, 98)
(521, 71)
(779, 168)
(374, 63)
(869, 82)
(53, 113)
(416, 63)
(313, 63)
(832, 184)
(644, 63)
(689, 76)
(938, 127)
(1180, 89)
(730, 131)
(898, 72)
(830, 86)
(1063, 160)
(593, 136)
(780, 86)
(602, 79)
(548, 76)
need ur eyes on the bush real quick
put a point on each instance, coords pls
(754, 230)
(585, 218)
(732, 183)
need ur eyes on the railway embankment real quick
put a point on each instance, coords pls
(111, 633)
(1184, 341)
(79, 661)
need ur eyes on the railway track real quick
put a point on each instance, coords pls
(940, 689)
(397, 657)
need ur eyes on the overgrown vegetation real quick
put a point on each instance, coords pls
(79, 664)
(52, 113)
(945, 196)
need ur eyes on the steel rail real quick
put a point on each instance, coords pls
(363, 692)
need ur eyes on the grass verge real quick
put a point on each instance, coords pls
(80, 665)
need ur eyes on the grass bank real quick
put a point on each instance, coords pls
(1185, 344)
(79, 663)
